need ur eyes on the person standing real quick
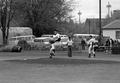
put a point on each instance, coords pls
(69, 44)
(83, 44)
(109, 45)
(91, 47)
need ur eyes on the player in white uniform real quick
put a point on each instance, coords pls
(52, 50)
(56, 38)
(91, 43)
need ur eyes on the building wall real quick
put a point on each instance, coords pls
(116, 14)
(111, 33)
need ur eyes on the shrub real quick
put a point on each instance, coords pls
(10, 48)
(24, 45)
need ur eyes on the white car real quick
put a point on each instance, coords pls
(16, 39)
(41, 40)
(47, 36)
(45, 39)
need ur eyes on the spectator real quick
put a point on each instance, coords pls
(116, 43)
(109, 45)
(83, 43)
(69, 44)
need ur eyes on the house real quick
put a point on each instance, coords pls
(112, 30)
(92, 25)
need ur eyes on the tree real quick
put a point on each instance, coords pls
(44, 16)
(7, 10)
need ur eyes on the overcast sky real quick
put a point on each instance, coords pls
(90, 8)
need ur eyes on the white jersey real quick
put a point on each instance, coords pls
(91, 42)
(57, 36)
(52, 46)
(69, 42)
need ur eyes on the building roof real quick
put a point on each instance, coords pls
(112, 25)
(92, 25)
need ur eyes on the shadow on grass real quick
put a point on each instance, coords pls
(63, 61)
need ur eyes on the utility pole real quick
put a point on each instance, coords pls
(100, 28)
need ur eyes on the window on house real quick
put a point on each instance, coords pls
(117, 34)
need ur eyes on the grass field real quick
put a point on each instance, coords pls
(38, 68)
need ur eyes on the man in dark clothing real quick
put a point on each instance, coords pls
(83, 43)
(109, 45)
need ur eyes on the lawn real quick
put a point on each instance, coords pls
(57, 70)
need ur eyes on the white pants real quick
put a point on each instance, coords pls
(52, 51)
(91, 50)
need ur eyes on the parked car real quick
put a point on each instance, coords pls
(47, 36)
(44, 39)
(16, 39)
(41, 40)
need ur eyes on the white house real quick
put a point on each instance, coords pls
(112, 30)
